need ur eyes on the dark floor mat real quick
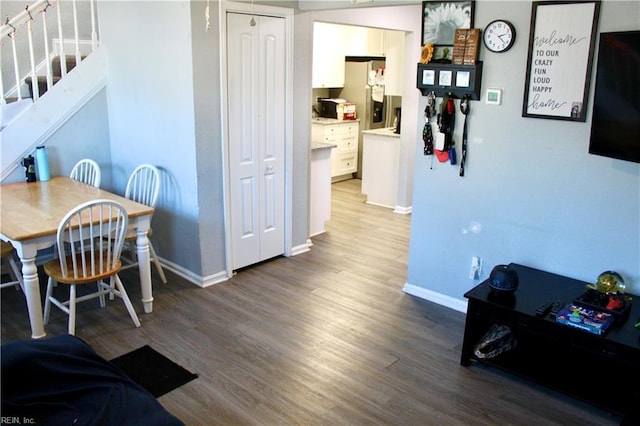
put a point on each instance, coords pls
(153, 371)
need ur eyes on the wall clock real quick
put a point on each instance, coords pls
(499, 35)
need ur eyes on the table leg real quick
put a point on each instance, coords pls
(32, 294)
(144, 265)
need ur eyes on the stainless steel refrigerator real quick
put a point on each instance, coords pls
(374, 109)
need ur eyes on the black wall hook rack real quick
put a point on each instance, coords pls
(456, 80)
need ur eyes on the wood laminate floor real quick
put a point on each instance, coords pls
(325, 337)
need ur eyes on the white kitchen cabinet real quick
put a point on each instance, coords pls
(363, 41)
(332, 42)
(342, 134)
(394, 52)
(328, 56)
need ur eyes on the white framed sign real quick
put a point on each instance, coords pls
(560, 58)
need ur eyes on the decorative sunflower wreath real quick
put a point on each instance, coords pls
(427, 53)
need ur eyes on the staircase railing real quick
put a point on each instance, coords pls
(35, 54)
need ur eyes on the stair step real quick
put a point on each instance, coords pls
(56, 70)
(42, 84)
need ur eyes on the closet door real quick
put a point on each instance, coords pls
(256, 107)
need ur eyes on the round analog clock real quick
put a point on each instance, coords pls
(499, 35)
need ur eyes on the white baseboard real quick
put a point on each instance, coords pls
(302, 248)
(403, 209)
(432, 296)
(196, 279)
(218, 277)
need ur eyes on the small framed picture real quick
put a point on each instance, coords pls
(462, 78)
(494, 96)
(445, 78)
(429, 77)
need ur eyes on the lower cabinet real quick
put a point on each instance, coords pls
(344, 135)
(381, 167)
(320, 193)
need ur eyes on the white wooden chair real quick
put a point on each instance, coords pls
(87, 171)
(89, 252)
(144, 187)
(8, 254)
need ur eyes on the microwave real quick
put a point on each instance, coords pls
(328, 107)
(336, 108)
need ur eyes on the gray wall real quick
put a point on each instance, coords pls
(150, 95)
(84, 135)
(164, 105)
(531, 193)
(209, 158)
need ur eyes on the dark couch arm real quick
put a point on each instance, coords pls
(63, 381)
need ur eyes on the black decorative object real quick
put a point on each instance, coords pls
(454, 80)
(503, 278)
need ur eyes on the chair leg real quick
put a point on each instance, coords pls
(17, 274)
(72, 310)
(125, 299)
(101, 297)
(157, 263)
(47, 301)
(112, 293)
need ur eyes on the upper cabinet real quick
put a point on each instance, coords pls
(332, 42)
(394, 64)
(328, 56)
(363, 41)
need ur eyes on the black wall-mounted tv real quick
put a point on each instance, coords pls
(615, 122)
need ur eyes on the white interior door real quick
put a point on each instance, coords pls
(256, 107)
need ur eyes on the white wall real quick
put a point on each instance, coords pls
(531, 193)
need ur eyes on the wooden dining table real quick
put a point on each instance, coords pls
(30, 215)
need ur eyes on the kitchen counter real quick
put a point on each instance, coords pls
(321, 145)
(324, 120)
(388, 131)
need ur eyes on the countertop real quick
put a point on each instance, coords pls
(326, 121)
(388, 131)
(322, 145)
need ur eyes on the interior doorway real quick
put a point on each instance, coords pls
(394, 94)
(257, 132)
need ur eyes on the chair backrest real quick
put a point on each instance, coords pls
(144, 185)
(92, 234)
(87, 171)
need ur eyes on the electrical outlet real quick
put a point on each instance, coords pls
(476, 267)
